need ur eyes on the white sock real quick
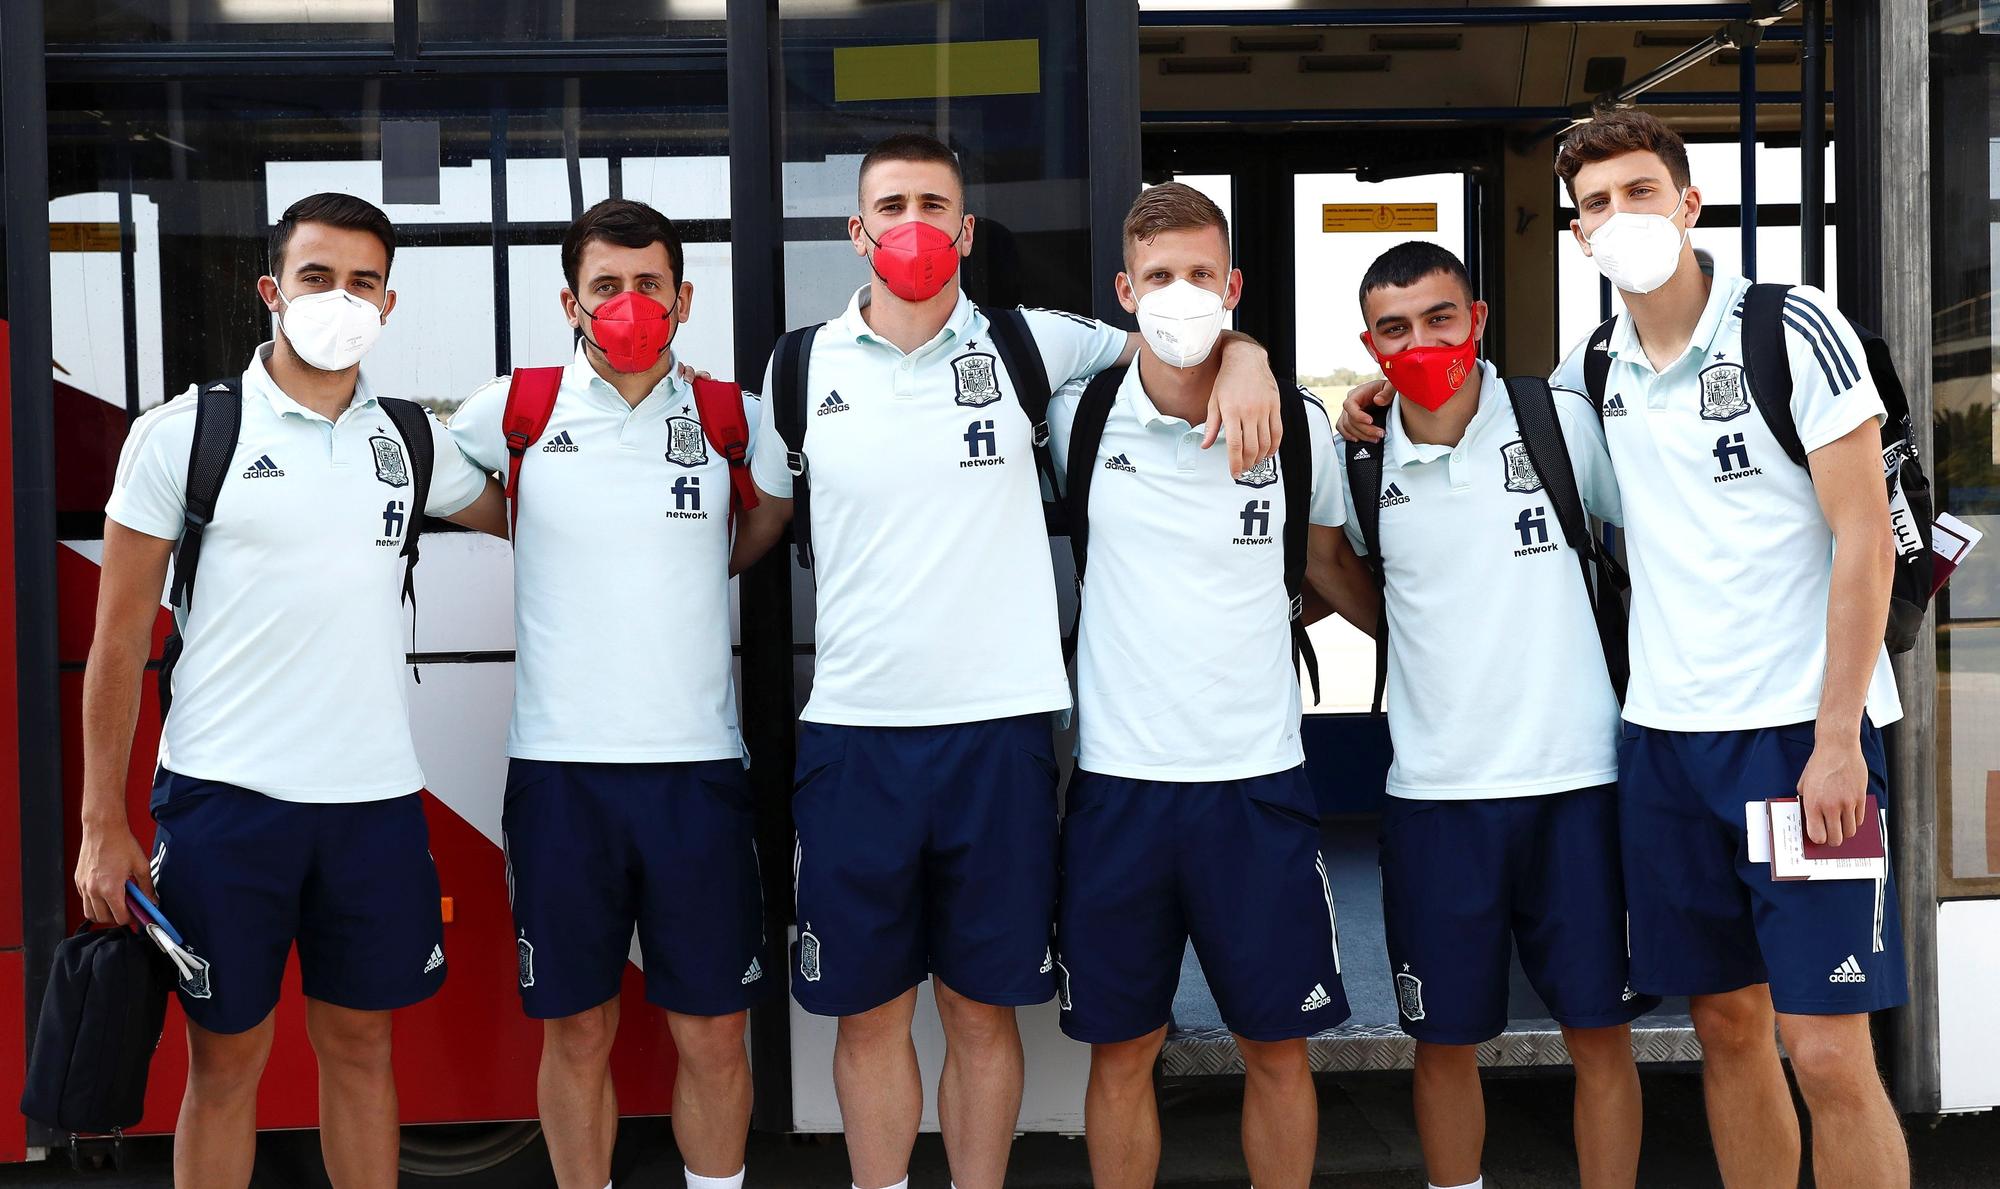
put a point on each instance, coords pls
(902, 1184)
(696, 1181)
(1474, 1184)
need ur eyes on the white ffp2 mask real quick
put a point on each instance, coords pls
(1181, 322)
(1639, 252)
(330, 330)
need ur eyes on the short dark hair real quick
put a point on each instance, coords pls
(1615, 133)
(334, 210)
(1171, 206)
(1410, 262)
(911, 146)
(623, 222)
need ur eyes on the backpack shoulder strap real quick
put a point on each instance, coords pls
(413, 423)
(1364, 480)
(1541, 434)
(218, 419)
(531, 401)
(723, 422)
(1295, 471)
(1086, 433)
(1597, 363)
(1765, 316)
(1023, 361)
(791, 367)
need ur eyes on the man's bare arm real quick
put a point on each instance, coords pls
(757, 530)
(1847, 478)
(486, 514)
(128, 604)
(1341, 579)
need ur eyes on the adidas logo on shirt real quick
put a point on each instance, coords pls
(755, 972)
(1847, 972)
(436, 959)
(1614, 406)
(1393, 495)
(1318, 999)
(560, 444)
(264, 468)
(832, 404)
(1118, 462)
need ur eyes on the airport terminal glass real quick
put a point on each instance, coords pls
(567, 20)
(1965, 460)
(162, 196)
(142, 22)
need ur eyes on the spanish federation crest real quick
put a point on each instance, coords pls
(1722, 395)
(1263, 474)
(685, 443)
(195, 984)
(978, 385)
(527, 957)
(809, 956)
(1410, 995)
(1521, 474)
(389, 465)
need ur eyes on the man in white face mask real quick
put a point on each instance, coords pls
(1760, 593)
(1190, 815)
(286, 797)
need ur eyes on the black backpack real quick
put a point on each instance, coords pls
(218, 419)
(791, 362)
(1604, 579)
(100, 1022)
(1767, 310)
(1294, 470)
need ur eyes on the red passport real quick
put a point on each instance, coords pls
(1864, 843)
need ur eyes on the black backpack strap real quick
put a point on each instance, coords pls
(1086, 434)
(1023, 361)
(1295, 471)
(1770, 364)
(413, 426)
(1542, 435)
(791, 366)
(1364, 481)
(1597, 363)
(218, 419)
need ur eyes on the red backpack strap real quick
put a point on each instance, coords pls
(728, 431)
(531, 401)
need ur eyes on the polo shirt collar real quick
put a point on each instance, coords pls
(1133, 390)
(581, 378)
(957, 328)
(257, 379)
(1725, 292)
(1401, 451)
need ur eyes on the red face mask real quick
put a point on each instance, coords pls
(1428, 375)
(915, 259)
(632, 330)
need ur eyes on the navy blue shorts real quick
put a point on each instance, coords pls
(924, 850)
(243, 876)
(1233, 864)
(1465, 881)
(1706, 920)
(597, 850)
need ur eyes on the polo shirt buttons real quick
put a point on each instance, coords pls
(1187, 450)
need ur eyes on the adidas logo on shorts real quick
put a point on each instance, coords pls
(1847, 972)
(436, 959)
(755, 972)
(1318, 999)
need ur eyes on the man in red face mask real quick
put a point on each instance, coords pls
(1501, 827)
(926, 807)
(626, 802)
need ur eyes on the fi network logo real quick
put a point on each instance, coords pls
(393, 520)
(981, 446)
(687, 499)
(1732, 457)
(1532, 525)
(1256, 516)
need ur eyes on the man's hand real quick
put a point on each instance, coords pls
(110, 856)
(1244, 404)
(1355, 424)
(1833, 791)
(688, 374)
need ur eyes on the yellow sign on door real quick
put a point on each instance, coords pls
(83, 237)
(1382, 216)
